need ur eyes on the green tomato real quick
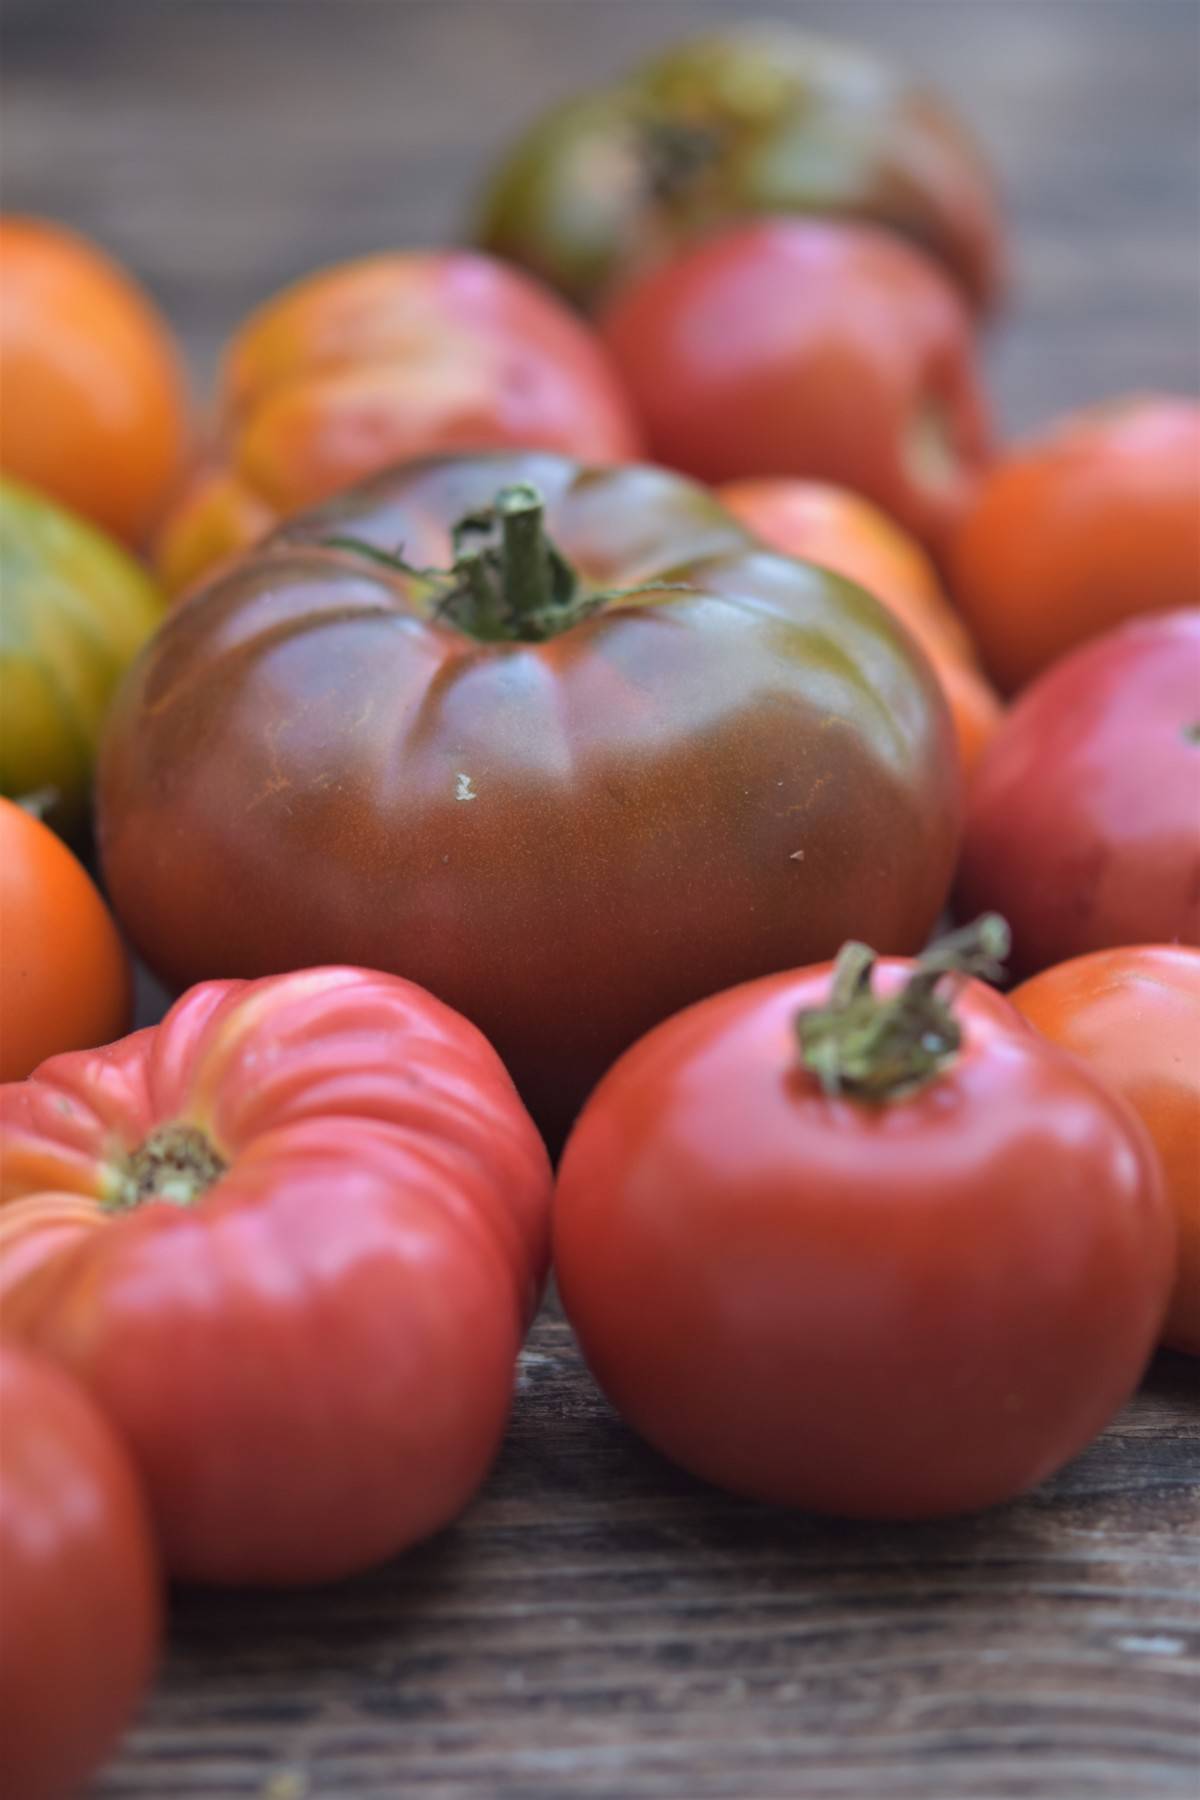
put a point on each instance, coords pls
(74, 609)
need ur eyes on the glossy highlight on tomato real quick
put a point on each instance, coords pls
(80, 1582)
(903, 1303)
(289, 1240)
(647, 759)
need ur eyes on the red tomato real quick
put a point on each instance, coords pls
(1094, 522)
(64, 975)
(376, 361)
(841, 531)
(1134, 1014)
(77, 1573)
(912, 1287)
(1083, 826)
(316, 1232)
(786, 347)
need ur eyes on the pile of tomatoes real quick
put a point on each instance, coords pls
(505, 729)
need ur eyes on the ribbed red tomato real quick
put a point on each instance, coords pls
(290, 1239)
(78, 1579)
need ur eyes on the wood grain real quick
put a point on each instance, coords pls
(598, 1625)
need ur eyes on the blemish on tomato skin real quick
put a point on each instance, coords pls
(463, 789)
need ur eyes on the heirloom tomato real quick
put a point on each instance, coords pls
(64, 976)
(94, 400)
(1083, 826)
(1081, 529)
(290, 1240)
(843, 532)
(73, 608)
(883, 1255)
(371, 362)
(761, 119)
(791, 347)
(1134, 1014)
(79, 1581)
(567, 796)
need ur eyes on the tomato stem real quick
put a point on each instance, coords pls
(176, 1163)
(880, 1050)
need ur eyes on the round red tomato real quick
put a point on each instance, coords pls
(912, 1284)
(1092, 523)
(1083, 826)
(830, 351)
(79, 1582)
(1134, 1014)
(290, 1239)
(588, 774)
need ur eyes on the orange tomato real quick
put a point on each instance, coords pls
(1088, 525)
(377, 361)
(1134, 1014)
(64, 975)
(94, 399)
(843, 532)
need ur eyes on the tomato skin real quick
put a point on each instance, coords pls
(311, 1361)
(1090, 524)
(65, 982)
(900, 1312)
(1134, 1014)
(95, 407)
(373, 362)
(1082, 817)
(750, 120)
(787, 347)
(76, 609)
(82, 1603)
(565, 840)
(841, 531)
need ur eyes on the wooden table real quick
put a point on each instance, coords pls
(598, 1624)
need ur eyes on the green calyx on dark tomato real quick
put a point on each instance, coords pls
(567, 791)
(509, 583)
(734, 124)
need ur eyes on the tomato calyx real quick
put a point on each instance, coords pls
(510, 583)
(878, 1050)
(177, 1163)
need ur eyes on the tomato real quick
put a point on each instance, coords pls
(841, 531)
(1089, 525)
(563, 811)
(1134, 1014)
(317, 1229)
(94, 399)
(76, 608)
(793, 348)
(758, 119)
(882, 1257)
(372, 362)
(64, 976)
(81, 1592)
(1083, 826)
